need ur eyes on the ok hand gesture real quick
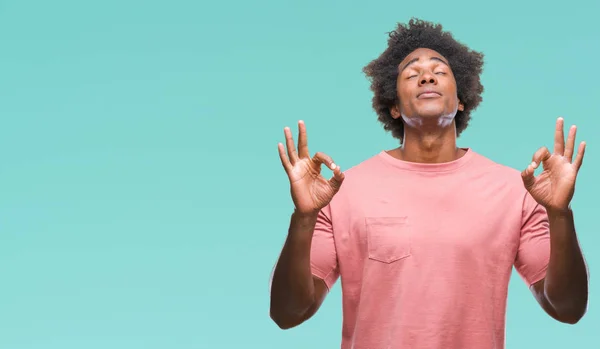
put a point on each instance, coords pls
(310, 190)
(554, 187)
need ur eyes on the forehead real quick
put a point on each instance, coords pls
(421, 54)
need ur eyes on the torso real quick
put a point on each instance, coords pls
(426, 256)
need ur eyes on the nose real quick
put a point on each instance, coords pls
(427, 78)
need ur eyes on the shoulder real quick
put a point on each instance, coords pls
(362, 178)
(366, 169)
(505, 180)
(501, 171)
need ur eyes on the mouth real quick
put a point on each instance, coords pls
(429, 94)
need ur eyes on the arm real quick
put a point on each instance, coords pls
(296, 294)
(309, 248)
(563, 293)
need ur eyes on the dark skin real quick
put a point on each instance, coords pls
(564, 292)
(427, 105)
(295, 294)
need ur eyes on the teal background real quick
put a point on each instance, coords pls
(142, 201)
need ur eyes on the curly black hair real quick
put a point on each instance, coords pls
(382, 72)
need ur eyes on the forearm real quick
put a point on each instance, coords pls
(292, 288)
(566, 282)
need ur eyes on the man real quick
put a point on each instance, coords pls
(424, 237)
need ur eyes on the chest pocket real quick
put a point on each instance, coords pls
(388, 238)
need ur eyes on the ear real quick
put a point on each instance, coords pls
(461, 106)
(395, 112)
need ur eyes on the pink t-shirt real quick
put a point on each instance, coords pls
(425, 251)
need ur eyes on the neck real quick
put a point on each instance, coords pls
(435, 146)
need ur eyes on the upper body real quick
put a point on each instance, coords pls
(425, 236)
(425, 251)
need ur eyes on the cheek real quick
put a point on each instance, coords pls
(452, 91)
(404, 104)
(453, 86)
(402, 95)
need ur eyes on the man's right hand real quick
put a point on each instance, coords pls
(310, 190)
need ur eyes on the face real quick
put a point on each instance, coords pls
(426, 90)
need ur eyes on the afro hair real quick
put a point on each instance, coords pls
(382, 72)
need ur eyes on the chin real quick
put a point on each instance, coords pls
(431, 114)
(439, 117)
(434, 114)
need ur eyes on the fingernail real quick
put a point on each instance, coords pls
(332, 166)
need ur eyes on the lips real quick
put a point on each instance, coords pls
(429, 94)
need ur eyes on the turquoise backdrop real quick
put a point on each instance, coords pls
(142, 201)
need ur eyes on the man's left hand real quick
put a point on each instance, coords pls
(554, 187)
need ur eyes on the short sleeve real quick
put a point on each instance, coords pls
(323, 256)
(533, 254)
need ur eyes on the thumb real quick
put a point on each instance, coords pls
(528, 175)
(337, 179)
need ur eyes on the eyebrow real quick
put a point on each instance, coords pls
(434, 58)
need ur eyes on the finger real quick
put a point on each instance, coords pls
(337, 179)
(559, 137)
(579, 158)
(528, 176)
(302, 140)
(570, 148)
(540, 156)
(291, 148)
(285, 162)
(321, 158)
